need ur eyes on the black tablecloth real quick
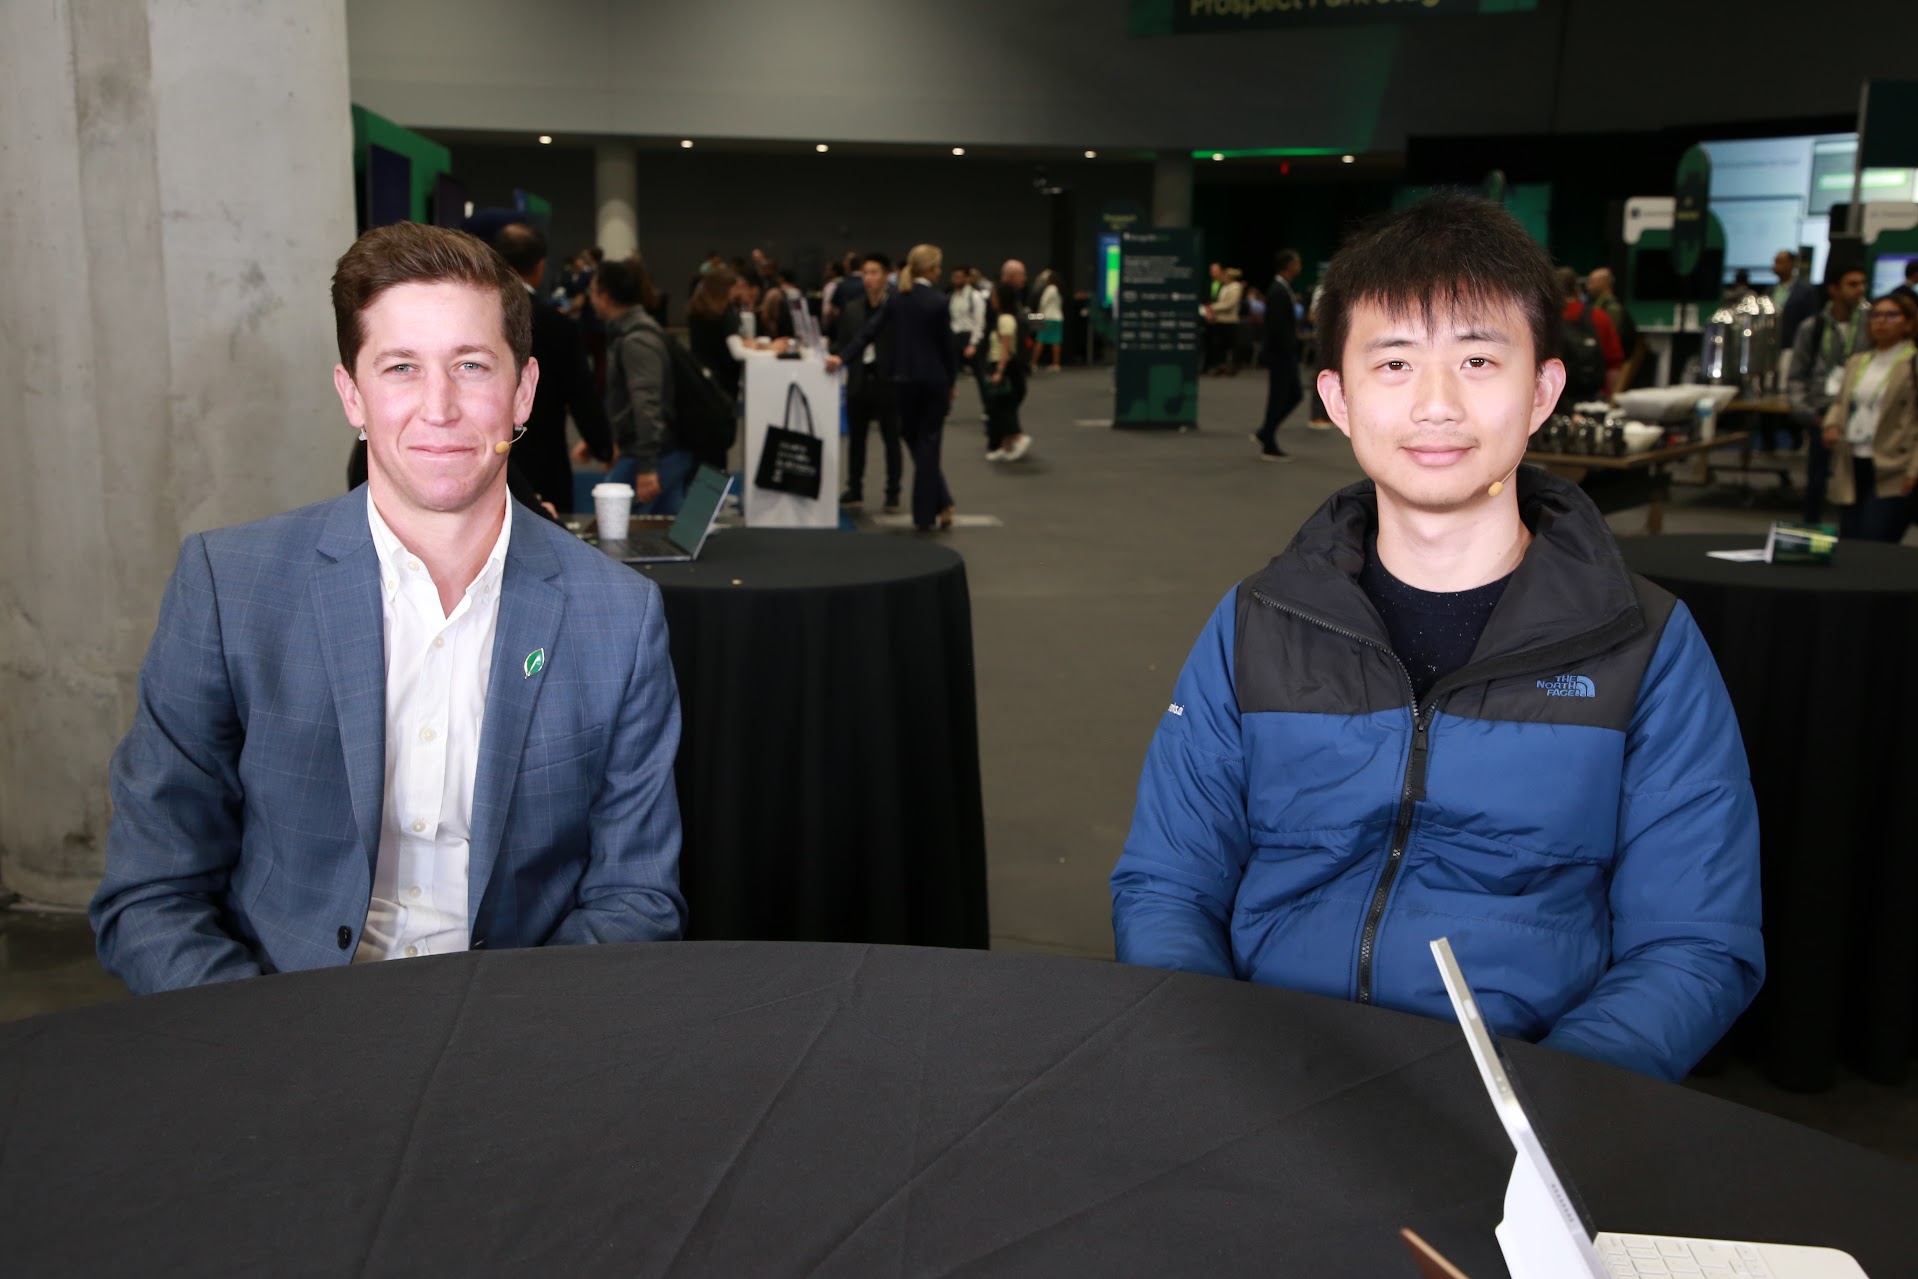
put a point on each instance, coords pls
(828, 770)
(1822, 664)
(754, 1109)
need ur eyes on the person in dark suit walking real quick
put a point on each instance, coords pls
(924, 365)
(870, 395)
(566, 380)
(1283, 391)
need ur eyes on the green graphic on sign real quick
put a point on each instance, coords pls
(1156, 380)
(1691, 190)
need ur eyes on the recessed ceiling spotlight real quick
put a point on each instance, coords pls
(1092, 155)
(546, 139)
(822, 148)
(1218, 155)
(1347, 159)
(686, 144)
(958, 150)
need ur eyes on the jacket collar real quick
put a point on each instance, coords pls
(1572, 581)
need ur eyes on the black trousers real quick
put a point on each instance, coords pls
(1282, 395)
(875, 401)
(1002, 406)
(1872, 518)
(922, 420)
(1817, 472)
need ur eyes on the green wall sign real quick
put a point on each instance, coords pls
(1192, 17)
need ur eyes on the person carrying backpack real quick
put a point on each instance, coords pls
(639, 393)
(1590, 347)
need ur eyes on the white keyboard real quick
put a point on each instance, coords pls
(1627, 1256)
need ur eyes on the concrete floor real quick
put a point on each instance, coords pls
(1112, 548)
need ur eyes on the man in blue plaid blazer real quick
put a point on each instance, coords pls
(411, 720)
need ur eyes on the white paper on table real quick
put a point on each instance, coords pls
(1746, 555)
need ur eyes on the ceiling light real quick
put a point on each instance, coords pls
(469, 208)
(1346, 159)
(686, 144)
(958, 150)
(1092, 155)
(822, 148)
(1218, 155)
(546, 139)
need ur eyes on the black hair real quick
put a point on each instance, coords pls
(1284, 258)
(1448, 252)
(523, 247)
(1836, 271)
(885, 263)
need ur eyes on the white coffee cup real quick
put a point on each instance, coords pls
(613, 503)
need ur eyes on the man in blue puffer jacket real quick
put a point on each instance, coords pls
(1448, 709)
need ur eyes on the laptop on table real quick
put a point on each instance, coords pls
(1546, 1233)
(682, 542)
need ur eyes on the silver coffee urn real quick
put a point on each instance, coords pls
(1741, 346)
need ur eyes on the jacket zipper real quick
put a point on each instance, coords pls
(1413, 789)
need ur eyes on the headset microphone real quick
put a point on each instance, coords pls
(505, 446)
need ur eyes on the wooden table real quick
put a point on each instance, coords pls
(1574, 466)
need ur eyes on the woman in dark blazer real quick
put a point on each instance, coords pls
(924, 365)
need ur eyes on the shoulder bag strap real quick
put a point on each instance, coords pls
(796, 396)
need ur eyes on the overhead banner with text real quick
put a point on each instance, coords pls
(1192, 17)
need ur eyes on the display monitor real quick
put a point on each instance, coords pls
(1778, 193)
(1888, 272)
(1108, 269)
(389, 187)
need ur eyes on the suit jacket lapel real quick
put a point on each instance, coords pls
(345, 594)
(531, 606)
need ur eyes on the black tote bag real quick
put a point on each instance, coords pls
(790, 461)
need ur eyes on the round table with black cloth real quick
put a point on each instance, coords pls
(828, 767)
(1822, 665)
(734, 1109)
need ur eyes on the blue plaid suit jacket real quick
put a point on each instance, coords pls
(247, 796)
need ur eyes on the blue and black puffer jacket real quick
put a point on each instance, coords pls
(1572, 808)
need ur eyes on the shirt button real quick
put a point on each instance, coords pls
(427, 734)
(414, 891)
(412, 952)
(414, 565)
(392, 585)
(418, 826)
(439, 641)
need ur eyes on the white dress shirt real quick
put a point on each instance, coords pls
(968, 309)
(437, 670)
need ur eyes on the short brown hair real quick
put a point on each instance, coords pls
(1448, 251)
(413, 253)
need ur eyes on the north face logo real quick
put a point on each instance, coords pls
(1568, 686)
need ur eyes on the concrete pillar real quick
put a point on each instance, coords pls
(616, 194)
(1172, 189)
(175, 188)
